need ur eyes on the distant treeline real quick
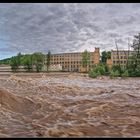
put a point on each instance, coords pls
(29, 62)
(5, 61)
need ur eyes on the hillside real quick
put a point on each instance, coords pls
(5, 61)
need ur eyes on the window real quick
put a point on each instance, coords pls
(125, 57)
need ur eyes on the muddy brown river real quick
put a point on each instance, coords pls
(68, 105)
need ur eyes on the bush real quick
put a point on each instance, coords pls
(107, 68)
(134, 72)
(115, 73)
(125, 74)
(93, 74)
(117, 68)
(137, 73)
(100, 69)
(97, 70)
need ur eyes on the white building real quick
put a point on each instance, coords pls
(55, 67)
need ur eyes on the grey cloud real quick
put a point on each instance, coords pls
(66, 27)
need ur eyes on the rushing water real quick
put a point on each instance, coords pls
(66, 106)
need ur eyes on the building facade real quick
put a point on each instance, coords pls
(120, 56)
(73, 61)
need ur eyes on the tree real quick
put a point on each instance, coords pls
(109, 55)
(28, 63)
(85, 59)
(136, 47)
(14, 64)
(37, 61)
(105, 56)
(48, 60)
(19, 59)
(134, 59)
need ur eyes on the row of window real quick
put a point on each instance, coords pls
(78, 57)
(62, 59)
(124, 62)
(72, 62)
(121, 57)
(67, 55)
(68, 59)
(76, 66)
(121, 53)
(121, 62)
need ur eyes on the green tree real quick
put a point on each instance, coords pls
(48, 60)
(14, 64)
(85, 59)
(5, 61)
(37, 61)
(105, 55)
(134, 59)
(18, 57)
(27, 62)
(108, 54)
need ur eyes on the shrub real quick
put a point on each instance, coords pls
(93, 74)
(115, 73)
(100, 69)
(134, 73)
(97, 70)
(125, 74)
(117, 68)
(137, 73)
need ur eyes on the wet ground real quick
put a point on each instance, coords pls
(68, 105)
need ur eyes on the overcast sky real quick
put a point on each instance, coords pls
(61, 27)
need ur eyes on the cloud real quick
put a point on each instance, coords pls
(67, 27)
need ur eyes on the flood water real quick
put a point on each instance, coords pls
(68, 105)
